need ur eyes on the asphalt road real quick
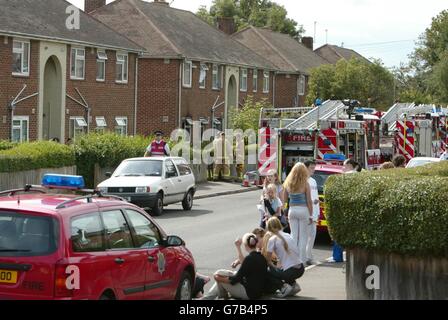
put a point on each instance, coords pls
(210, 229)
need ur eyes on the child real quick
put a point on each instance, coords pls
(272, 205)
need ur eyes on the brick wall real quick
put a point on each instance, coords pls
(107, 99)
(259, 94)
(286, 91)
(10, 86)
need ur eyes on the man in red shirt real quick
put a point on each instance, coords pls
(158, 148)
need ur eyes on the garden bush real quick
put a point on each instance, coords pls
(394, 211)
(6, 145)
(36, 155)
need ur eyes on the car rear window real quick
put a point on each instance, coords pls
(321, 177)
(136, 168)
(24, 235)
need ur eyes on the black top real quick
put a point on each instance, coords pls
(252, 275)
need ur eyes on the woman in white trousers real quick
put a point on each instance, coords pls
(297, 189)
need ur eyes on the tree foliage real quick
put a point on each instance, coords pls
(258, 13)
(247, 116)
(370, 83)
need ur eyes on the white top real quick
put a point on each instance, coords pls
(314, 196)
(288, 258)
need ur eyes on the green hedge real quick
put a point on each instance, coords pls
(36, 155)
(6, 145)
(400, 210)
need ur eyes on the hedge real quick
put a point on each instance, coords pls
(36, 155)
(6, 145)
(401, 211)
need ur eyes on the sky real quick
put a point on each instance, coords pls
(381, 29)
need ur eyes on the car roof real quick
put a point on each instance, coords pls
(329, 168)
(47, 204)
(426, 158)
(154, 158)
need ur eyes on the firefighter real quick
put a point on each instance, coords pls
(239, 155)
(158, 148)
(222, 152)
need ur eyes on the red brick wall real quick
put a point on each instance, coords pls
(10, 86)
(259, 95)
(286, 91)
(157, 95)
(108, 99)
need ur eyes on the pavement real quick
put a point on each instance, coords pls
(216, 189)
(210, 229)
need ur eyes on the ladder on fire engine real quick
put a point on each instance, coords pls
(394, 114)
(278, 117)
(325, 111)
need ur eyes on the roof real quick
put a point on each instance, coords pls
(286, 53)
(46, 20)
(333, 53)
(167, 32)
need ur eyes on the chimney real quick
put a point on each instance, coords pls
(308, 42)
(226, 24)
(92, 5)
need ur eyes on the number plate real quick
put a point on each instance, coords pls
(8, 276)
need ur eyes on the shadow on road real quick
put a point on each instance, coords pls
(176, 213)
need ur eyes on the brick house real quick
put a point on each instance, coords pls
(293, 59)
(189, 67)
(333, 53)
(58, 83)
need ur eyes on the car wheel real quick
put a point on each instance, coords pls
(157, 210)
(185, 288)
(187, 203)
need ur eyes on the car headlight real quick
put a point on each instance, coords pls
(142, 189)
(102, 189)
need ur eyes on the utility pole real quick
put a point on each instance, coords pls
(315, 24)
(326, 36)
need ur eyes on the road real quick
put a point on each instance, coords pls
(214, 223)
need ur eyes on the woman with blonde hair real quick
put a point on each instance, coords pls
(282, 245)
(297, 189)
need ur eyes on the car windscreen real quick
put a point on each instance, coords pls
(321, 177)
(136, 168)
(24, 235)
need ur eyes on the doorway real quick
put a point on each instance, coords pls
(52, 115)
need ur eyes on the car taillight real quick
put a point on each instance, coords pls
(60, 283)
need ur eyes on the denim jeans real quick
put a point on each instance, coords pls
(289, 276)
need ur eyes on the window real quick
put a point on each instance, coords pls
(101, 124)
(265, 81)
(243, 80)
(21, 58)
(122, 68)
(188, 69)
(78, 64)
(146, 234)
(20, 129)
(118, 234)
(255, 81)
(122, 126)
(183, 167)
(101, 58)
(301, 84)
(170, 169)
(78, 126)
(216, 77)
(203, 75)
(87, 234)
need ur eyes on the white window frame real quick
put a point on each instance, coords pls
(255, 80)
(21, 119)
(101, 124)
(266, 83)
(243, 80)
(78, 59)
(123, 63)
(184, 78)
(217, 74)
(77, 124)
(301, 85)
(203, 71)
(122, 123)
(101, 58)
(22, 52)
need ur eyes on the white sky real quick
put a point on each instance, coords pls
(385, 29)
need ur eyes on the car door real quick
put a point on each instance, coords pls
(129, 263)
(172, 188)
(186, 176)
(160, 273)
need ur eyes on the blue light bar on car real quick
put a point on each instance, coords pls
(334, 157)
(63, 181)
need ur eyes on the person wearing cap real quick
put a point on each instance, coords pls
(158, 148)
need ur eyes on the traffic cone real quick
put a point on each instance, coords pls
(246, 181)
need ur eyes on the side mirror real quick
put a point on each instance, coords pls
(108, 174)
(174, 241)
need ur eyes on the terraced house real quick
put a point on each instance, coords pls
(190, 71)
(59, 82)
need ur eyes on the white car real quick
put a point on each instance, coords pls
(420, 161)
(152, 183)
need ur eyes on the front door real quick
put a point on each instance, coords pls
(52, 116)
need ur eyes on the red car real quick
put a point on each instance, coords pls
(92, 247)
(323, 171)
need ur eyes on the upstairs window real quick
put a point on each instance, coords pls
(301, 84)
(255, 81)
(21, 58)
(243, 80)
(122, 68)
(203, 76)
(266, 82)
(101, 58)
(216, 77)
(187, 74)
(78, 64)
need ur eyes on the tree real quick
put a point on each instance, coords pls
(258, 13)
(247, 116)
(370, 83)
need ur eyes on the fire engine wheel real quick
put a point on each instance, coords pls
(187, 203)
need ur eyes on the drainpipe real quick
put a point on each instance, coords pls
(180, 96)
(273, 89)
(136, 95)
